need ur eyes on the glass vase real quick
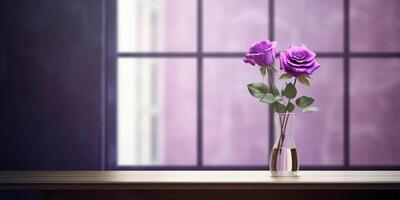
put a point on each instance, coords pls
(283, 157)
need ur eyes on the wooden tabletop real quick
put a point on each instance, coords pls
(226, 180)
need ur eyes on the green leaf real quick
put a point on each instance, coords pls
(290, 91)
(304, 101)
(272, 69)
(290, 107)
(274, 90)
(257, 90)
(263, 71)
(285, 76)
(303, 80)
(278, 98)
(268, 98)
(310, 109)
(278, 107)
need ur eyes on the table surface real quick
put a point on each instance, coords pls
(48, 180)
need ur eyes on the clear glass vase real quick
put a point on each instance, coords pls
(283, 157)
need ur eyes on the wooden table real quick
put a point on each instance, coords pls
(203, 184)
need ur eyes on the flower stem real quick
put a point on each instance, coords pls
(285, 122)
(269, 78)
(270, 82)
(294, 83)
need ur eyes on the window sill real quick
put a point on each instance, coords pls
(198, 180)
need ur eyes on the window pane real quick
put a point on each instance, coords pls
(316, 23)
(235, 124)
(375, 112)
(156, 111)
(231, 25)
(156, 25)
(319, 135)
(374, 25)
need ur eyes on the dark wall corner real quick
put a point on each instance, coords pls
(51, 62)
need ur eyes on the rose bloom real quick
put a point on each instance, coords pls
(298, 60)
(261, 53)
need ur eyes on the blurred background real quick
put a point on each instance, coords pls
(160, 104)
(141, 84)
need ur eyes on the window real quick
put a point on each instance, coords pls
(176, 84)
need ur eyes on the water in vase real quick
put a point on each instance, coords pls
(284, 162)
(283, 156)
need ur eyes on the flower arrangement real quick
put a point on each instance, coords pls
(297, 64)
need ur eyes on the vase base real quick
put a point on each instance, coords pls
(283, 173)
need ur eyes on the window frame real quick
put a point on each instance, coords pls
(112, 55)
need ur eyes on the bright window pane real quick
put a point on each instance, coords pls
(156, 111)
(374, 25)
(235, 124)
(375, 112)
(231, 25)
(156, 25)
(316, 23)
(319, 135)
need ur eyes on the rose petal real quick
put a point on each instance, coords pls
(298, 60)
(313, 68)
(249, 59)
(301, 65)
(282, 60)
(260, 46)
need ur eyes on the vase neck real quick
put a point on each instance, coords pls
(284, 124)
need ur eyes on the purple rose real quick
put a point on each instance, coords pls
(261, 53)
(297, 61)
